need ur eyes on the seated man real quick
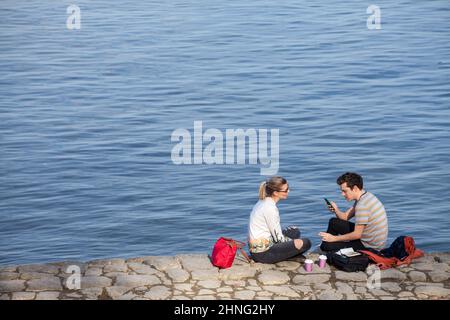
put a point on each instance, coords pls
(370, 229)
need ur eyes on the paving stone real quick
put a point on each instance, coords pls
(68, 266)
(360, 290)
(322, 286)
(9, 276)
(178, 275)
(439, 276)
(92, 293)
(23, 296)
(443, 257)
(263, 266)
(302, 289)
(417, 276)
(392, 274)
(93, 272)
(95, 282)
(42, 268)
(163, 263)
(225, 289)
(253, 288)
(379, 292)
(137, 280)
(237, 273)
(183, 286)
(423, 266)
(351, 296)
(205, 292)
(115, 268)
(287, 265)
(388, 298)
(195, 262)
(113, 275)
(234, 283)
(107, 262)
(330, 295)
(280, 298)
(252, 282)
(48, 295)
(141, 268)
(281, 291)
(350, 276)
(343, 287)
(405, 294)
(428, 284)
(44, 284)
(209, 274)
(127, 296)
(391, 287)
(264, 294)
(208, 297)
(116, 291)
(180, 298)
(311, 278)
(8, 269)
(270, 277)
(224, 295)
(74, 295)
(433, 291)
(209, 284)
(137, 259)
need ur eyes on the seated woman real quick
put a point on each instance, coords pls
(267, 242)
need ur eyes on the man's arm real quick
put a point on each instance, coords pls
(347, 215)
(355, 235)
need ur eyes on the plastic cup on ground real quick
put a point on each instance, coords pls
(308, 265)
(322, 261)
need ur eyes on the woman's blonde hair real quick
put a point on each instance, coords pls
(268, 187)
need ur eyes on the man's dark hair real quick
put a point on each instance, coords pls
(352, 179)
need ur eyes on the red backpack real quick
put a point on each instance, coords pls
(401, 251)
(224, 252)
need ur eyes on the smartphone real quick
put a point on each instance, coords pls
(329, 204)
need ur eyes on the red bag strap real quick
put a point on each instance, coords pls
(239, 245)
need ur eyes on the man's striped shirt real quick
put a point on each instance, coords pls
(369, 211)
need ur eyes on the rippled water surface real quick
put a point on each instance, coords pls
(86, 118)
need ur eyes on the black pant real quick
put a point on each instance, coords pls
(283, 250)
(338, 227)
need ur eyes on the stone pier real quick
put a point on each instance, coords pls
(192, 276)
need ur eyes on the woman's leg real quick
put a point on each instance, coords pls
(292, 232)
(281, 251)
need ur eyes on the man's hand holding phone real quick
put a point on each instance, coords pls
(331, 206)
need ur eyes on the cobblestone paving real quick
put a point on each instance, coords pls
(191, 276)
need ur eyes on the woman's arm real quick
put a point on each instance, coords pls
(273, 223)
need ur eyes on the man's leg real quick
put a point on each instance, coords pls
(338, 227)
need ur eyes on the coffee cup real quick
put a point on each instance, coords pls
(308, 265)
(322, 261)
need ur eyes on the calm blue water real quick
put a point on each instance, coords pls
(86, 118)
